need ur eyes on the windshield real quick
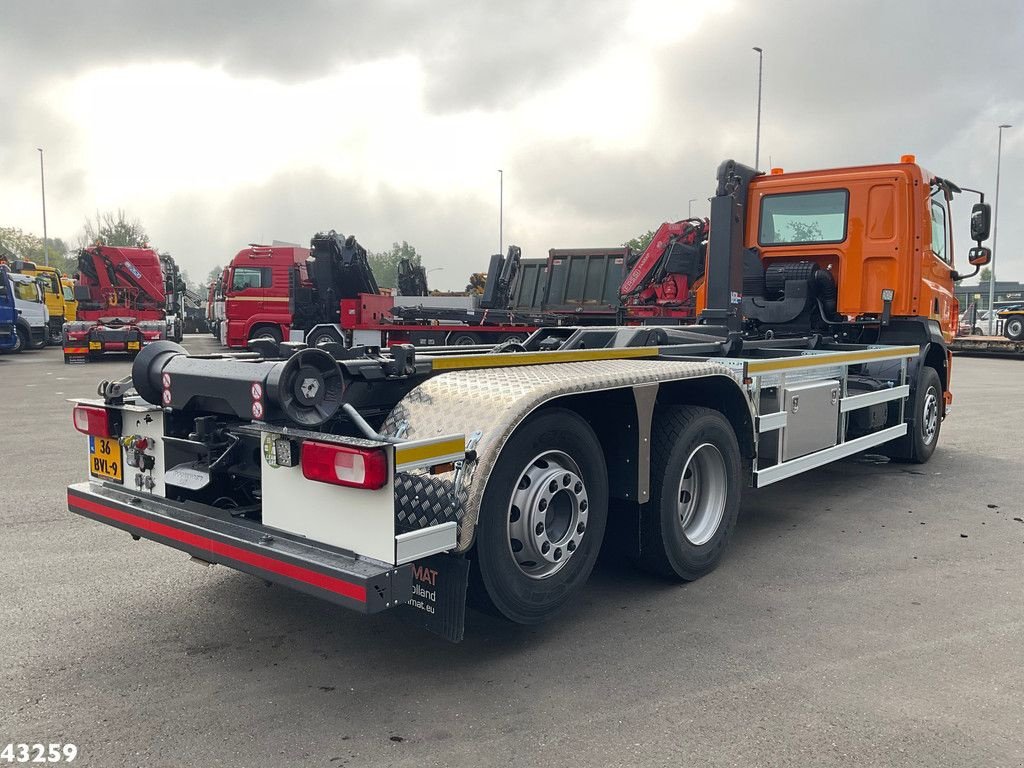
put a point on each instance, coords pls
(804, 217)
(69, 293)
(26, 291)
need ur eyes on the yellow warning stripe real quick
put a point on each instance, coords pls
(510, 359)
(832, 358)
(419, 453)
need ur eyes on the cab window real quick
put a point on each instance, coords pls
(804, 217)
(26, 291)
(250, 277)
(69, 293)
(939, 231)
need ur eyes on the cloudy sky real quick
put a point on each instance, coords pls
(222, 123)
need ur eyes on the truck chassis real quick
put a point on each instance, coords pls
(786, 407)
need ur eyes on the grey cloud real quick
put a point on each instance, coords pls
(845, 83)
(451, 232)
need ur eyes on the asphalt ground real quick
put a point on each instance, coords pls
(865, 614)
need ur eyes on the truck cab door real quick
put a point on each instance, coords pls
(248, 290)
(938, 301)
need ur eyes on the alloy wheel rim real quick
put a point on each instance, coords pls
(702, 494)
(547, 514)
(930, 422)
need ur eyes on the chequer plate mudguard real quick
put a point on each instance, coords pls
(493, 402)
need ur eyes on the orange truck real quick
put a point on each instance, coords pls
(386, 478)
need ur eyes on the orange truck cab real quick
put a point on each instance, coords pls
(854, 255)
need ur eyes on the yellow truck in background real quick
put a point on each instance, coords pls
(58, 295)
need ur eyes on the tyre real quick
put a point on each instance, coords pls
(266, 332)
(22, 340)
(542, 518)
(695, 492)
(39, 344)
(463, 339)
(320, 336)
(1013, 328)
(518, 338)
(927, 415)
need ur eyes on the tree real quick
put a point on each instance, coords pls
(804, 232)
(25, 245)
(214, 275)
(639, 243)
(985, 275)
(112, 228)
(385, 264)
(477, 283)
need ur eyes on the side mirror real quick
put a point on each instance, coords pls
(981, 222)
(979, 256)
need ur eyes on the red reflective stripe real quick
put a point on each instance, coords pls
(75, 350)
(297, 572)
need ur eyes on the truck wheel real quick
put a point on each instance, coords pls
(542, 518)
(266, 332)
(21, 340)
(463, 339)
(518, 338)
(695, 492)
(323, 336)
(927, 405)
(1014, 328)
(39, 344)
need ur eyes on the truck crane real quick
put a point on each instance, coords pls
(128, 297)
(399, 478)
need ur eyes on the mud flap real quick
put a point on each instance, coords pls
(438, 602)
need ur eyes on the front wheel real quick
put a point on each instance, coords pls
(21, 340)
(542, 518)
(1013, 328)
(927, 411)
(271, 332)
(695, 492)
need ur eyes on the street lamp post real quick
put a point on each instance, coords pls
(995, 234)
(42, 184)
(689, 207)
(501, 211)
(757, 140)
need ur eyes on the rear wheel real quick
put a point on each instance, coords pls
(463, 339)
(1013, 328)
(695, 492)
(320, 336)
(542, 518)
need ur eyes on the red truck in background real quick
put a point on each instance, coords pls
(258, 287)
(127, 298)
(329, 294)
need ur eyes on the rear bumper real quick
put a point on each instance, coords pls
(364, 585)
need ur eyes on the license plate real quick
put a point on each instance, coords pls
(105, 459)
(95, 345)
(133, 345)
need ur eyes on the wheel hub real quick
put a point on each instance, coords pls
(930, 420)
(547, 515)
(703, 490)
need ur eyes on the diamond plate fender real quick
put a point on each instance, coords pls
(494, 401)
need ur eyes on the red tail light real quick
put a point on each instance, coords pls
(90, 420)
(342, 465)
